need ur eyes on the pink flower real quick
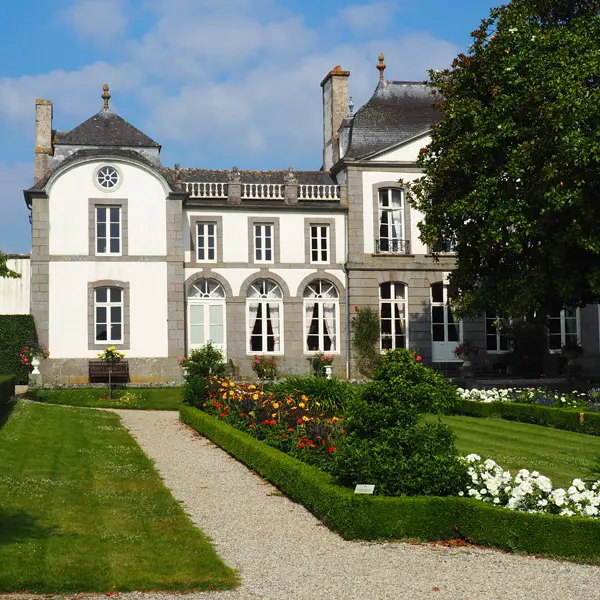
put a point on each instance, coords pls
(419, 358)
(257, 362)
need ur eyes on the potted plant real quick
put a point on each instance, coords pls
(264, 367)
(321, 365)
(32, 354)
(571, 351)
(466, 351)
(111, 356)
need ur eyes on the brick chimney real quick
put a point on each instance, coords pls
(335, 110)
(43, 138)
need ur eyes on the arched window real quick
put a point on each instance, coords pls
(206, 314)
(321, 317)
(392, 310)
(264, 308)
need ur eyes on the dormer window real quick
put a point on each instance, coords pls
(107, 178)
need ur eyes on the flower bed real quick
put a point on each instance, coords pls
(589, 401)
(529, 491)
(291, 422)
(424, 518)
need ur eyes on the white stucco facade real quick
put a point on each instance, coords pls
(15, 293)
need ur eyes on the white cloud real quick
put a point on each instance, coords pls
(97, 21)
(367, 18)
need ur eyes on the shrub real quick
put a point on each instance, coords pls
(201, 364)
(7, 389)
(332, 394)
(15, 332)
(385, 443)
(366, 328)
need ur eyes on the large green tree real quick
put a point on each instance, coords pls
(4, 270)
(512, 173)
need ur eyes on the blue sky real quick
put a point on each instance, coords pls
(217, 82)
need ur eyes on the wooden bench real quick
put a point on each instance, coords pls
(98, 372)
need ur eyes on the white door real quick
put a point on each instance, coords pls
(446, 332)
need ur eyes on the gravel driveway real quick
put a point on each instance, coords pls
(283, 552)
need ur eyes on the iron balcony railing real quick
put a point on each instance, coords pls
(388, 246)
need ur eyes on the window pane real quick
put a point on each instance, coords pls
(438, 333)
(491, 343)
(197, 314)
(554, 326)
(216, 323)
(115, 245)
(100, 314)
(115, 314)
(437, 292)
(101, 229)
(101, 294)
(101, 333)
(554, 342)
(386, 310)
(386, 326)
(385, 291)
(197, 335)
(115, 294)
(101, 245)
(504, 343)
(396, 198)
(100, 214)
(437, 314)
(115, 332)
(114, 215)
(453, 332)
(114, 230)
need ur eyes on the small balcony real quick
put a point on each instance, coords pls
(392, 246)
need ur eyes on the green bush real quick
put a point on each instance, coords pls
(427, 518)
(7, 389)
(567, 419)
(329, 393)
(385, 443)
(15, 332)
(201, 364)
(366, 326)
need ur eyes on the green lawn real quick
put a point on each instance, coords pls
(560, 455)
(83, 510)
(138, 398)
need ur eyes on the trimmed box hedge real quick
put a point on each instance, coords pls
(15, 332)
(7, 390)
(560, 418)
(429, 518)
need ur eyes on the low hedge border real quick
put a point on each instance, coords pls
(7, 390)
(360, 517)
(560, 418)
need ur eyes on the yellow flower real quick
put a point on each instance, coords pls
(275, 405)
(251, 413)
(288, 401)
(305, 418)
(255, 396)
(318, 404)
(301, 405)
(273, 415)
(334, 420)
(251, 387)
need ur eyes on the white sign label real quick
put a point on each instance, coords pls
(364, 488)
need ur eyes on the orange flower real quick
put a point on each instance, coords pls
(251, 426)
(330, 450)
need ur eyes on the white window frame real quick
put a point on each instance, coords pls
(273, 296)
(318, 299)
(322, 242)
(498, 335)
(563, 332)
(108, 305)
(108, 208)
(394, 244)
(206, 293)
(393, 301)
(206, 248)
(447, 309)
(260, 233)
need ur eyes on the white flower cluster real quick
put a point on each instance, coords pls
(529, 491)
(523, 395)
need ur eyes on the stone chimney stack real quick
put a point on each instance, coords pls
(335, 110)
(43, 138)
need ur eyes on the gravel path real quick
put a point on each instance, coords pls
(283, 552)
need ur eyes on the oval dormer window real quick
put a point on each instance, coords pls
(107, 177)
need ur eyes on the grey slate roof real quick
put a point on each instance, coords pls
(92, 152)
(105, 128)
(222, 176)
(397, 112)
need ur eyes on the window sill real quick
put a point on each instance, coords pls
(392, 255)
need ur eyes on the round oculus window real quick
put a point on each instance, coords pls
(107, 177)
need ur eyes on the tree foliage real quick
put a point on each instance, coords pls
(512, 173)
(4, 270)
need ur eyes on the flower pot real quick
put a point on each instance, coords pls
(35, 363)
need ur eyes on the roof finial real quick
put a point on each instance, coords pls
(105, 96)
(350, 107)
(381, 66)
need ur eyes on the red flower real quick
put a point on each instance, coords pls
(298, 420)
(330, 450)
(290, 429)
(251, 426)
(356, 309)
(419, 358)
(283, 435)
(273, 422)
(301, 445)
